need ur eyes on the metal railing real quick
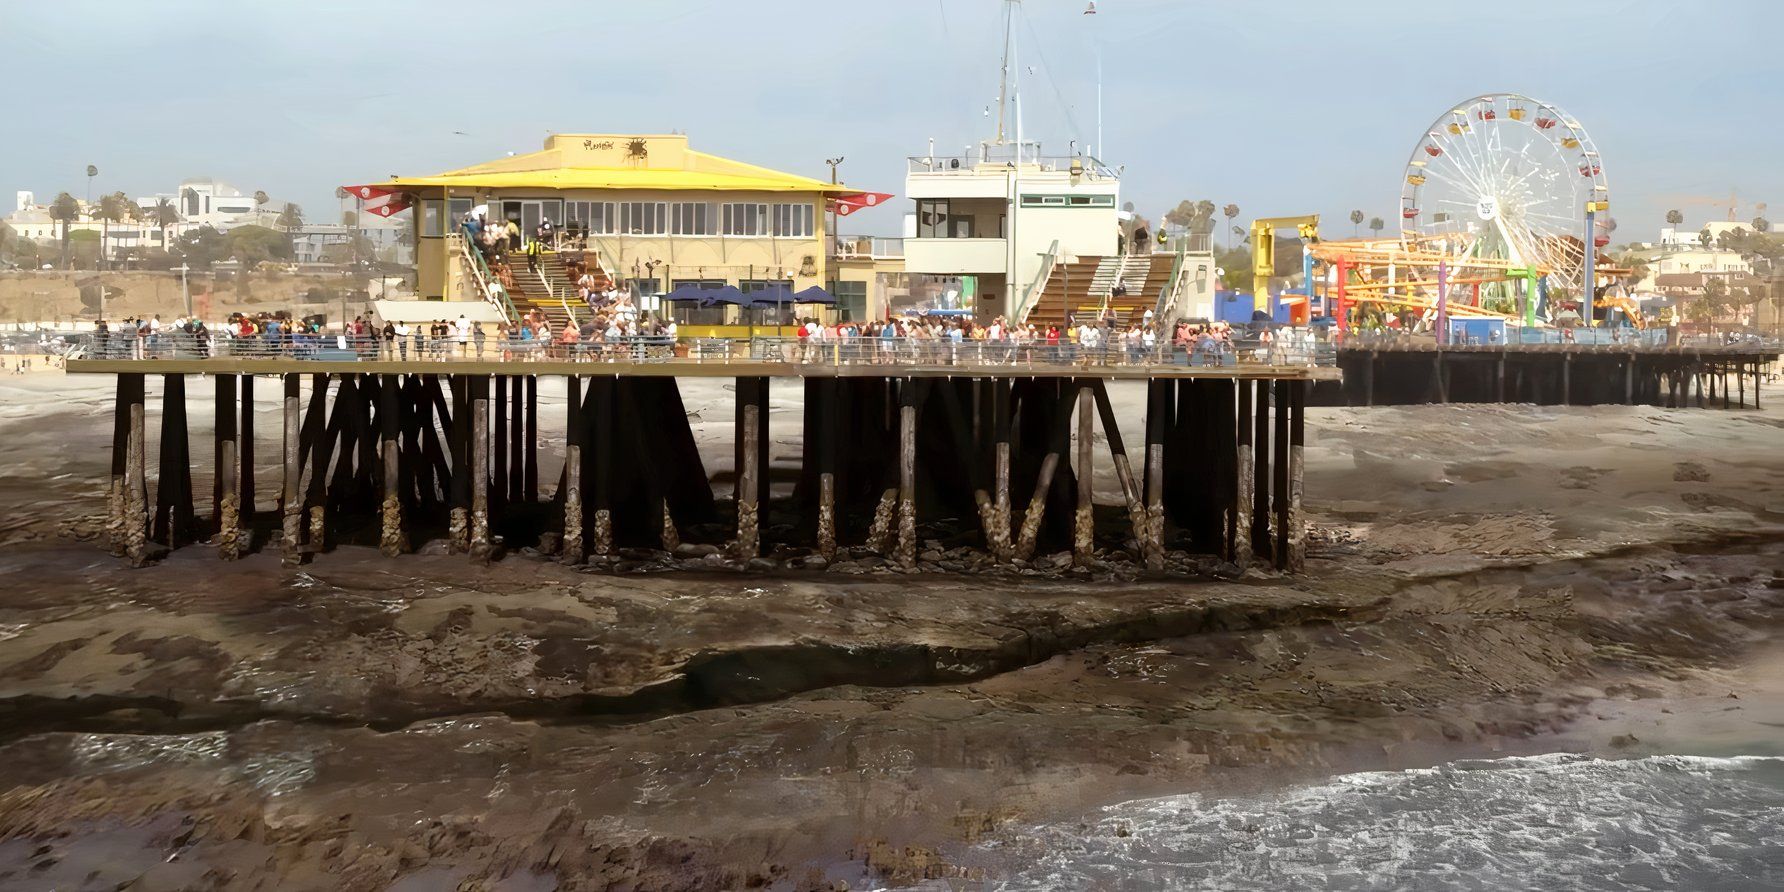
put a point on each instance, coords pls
(483, 279)
(1286, 347)
(1024, 306)
(412, 348)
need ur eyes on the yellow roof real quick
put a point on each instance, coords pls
(615, 161)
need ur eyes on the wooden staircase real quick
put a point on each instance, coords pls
(531, 292)
(1082, 286)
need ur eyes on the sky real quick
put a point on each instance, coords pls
(1285, 107)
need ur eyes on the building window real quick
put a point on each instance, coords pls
(745, 219)
(793, 220)
(692, 218)
(432, 212)
(233, 210)
(459, 209)
(592, 217)
(851, 300)
(1076, 201)
(935, 221)
(644, 218)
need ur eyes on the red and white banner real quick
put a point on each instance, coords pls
(849, 203)
(383, 202)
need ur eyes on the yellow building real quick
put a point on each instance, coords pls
(656, 213)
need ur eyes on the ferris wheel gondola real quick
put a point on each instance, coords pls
(1508, 178)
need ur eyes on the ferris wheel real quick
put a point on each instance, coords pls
(1509, 178)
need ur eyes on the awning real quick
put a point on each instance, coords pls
(435, 310)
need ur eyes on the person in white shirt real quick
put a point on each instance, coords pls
(461, 329)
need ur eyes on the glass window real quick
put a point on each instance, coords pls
(644, 218)
(793, 220)
(460, 208)
(745, 219)
(932, 215)
(693, 218)
(432, 214)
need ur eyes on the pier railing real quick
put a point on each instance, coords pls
(1287, 348)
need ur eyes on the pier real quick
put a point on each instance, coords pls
(1405, 371)
(995, 456)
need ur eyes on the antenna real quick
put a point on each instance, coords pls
(1003, 84)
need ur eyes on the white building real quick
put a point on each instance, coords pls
(995, 214)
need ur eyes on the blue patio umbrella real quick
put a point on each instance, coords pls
(814, 295)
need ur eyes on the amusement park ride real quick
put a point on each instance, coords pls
(1494, 200)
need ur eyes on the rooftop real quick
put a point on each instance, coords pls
(619, 161)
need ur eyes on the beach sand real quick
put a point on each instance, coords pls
(1482, 579)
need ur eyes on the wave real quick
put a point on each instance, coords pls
(1559, 821)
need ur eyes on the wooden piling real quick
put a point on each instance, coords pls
(573, 439)
(1124, 473)
(120, 461)
(748, 474)
(1243, 499)
(1037, 503)
(1567, 379)
(290, 499)
(391, 540)
(823, 429)
(1002, 548)
(1084, 516)
(1158, 409)
(226, 504)
(1297, 533)
(1279, 485)
(907, 474)
(529, 492)
(174, 522)
(481, 544)
(244, 437)
(1262, 544)
(136, 478)
(1368, 380)
(517, 439)
(458, 529)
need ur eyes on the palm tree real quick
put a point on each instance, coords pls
(65, 210)
(1674, 219)
(113, 207)
(163, 215)
(1356, 219)
(1229, 212)
(291, 218)
(1376, 225)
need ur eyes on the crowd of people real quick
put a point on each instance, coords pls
(1091, 341)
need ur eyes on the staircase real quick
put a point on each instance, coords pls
(1082, 286)
(549, 289)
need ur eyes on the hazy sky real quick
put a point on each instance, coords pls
(1282, 107)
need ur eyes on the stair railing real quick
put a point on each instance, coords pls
(1026, 304)
(483, 278)
(1168, 295)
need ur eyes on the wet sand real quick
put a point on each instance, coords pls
(1483, 579)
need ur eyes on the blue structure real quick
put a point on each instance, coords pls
(1464, 332)
(1235, 308)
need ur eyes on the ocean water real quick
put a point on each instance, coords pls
(1564, 822)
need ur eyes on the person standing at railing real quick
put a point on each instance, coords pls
(461, 330)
